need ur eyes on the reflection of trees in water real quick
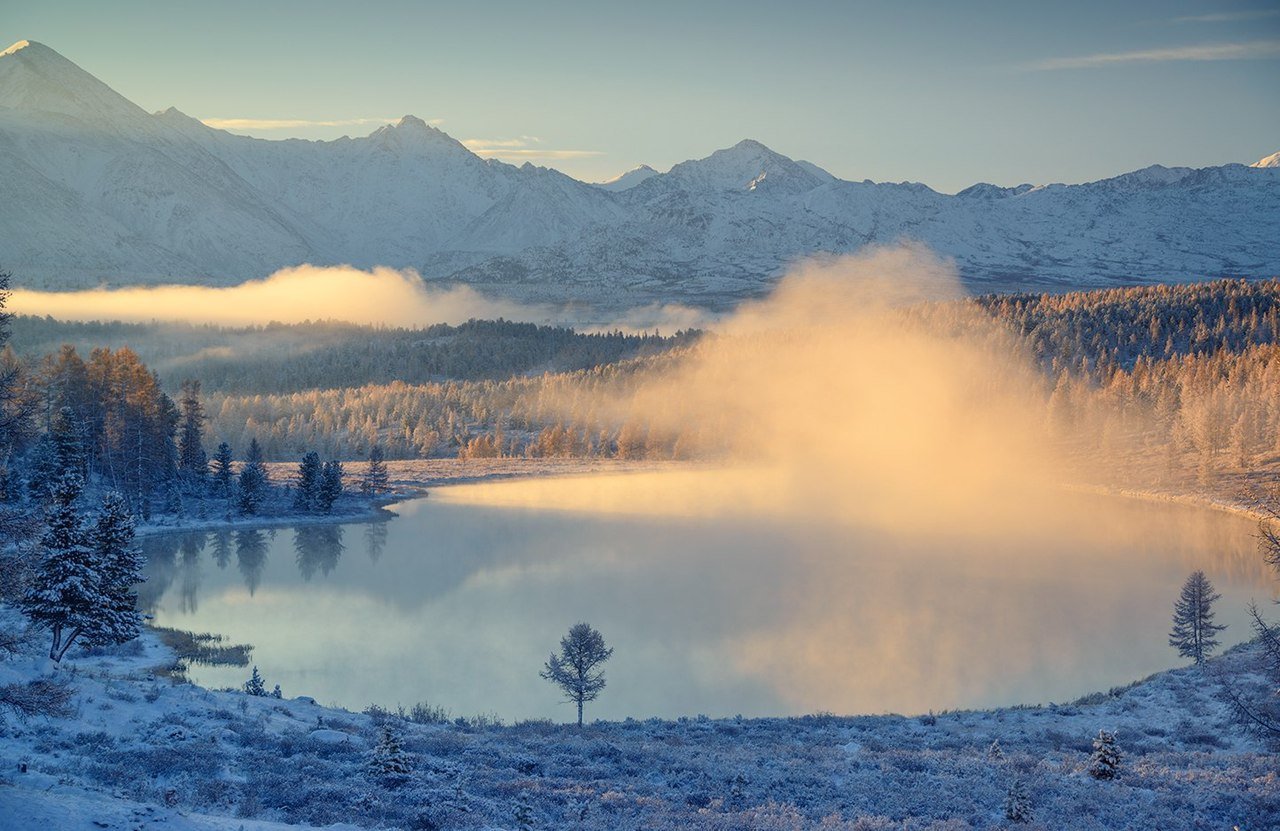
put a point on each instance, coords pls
(191, 545)
(375, 539)
(251, 556)
(317, 547)
(161, 553)
(221, 548)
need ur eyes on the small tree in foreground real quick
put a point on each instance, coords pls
(389, 763)
(255, 685)
(1194, 631)
(575, 669)
(1017, 804)
(1105, 762)
(375, 479)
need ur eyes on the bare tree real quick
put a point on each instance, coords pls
(576, 669)
(1194, 631)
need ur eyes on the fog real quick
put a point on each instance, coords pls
(381, 296)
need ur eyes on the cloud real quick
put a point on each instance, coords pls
(522, 147)
(296, 123)
(1251, 50)
(1229, 17)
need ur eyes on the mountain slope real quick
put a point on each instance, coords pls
(98, 190)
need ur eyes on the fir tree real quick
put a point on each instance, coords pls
(307, 497)
(329, 487)
(575, 669)
(42, 470)
(388, 763)
(192, 461)
(523, 813)
(1194, 631)
(65, 594)
(255, 685)
(1105, 762)
(120, 566)
(68, 442)
(1017, 804)
(995, 752)
(253, 480)
(222, 472)
(375, 479)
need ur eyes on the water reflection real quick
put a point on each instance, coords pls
(747, 616)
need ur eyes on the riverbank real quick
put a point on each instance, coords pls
(141, 748)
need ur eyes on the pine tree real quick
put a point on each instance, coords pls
(1017, 804)
(120, 566)
(1194, 631)
(255, 685)
(253, 480)
(65, 594)
(388, 763)
(222, 473)
(375, 479)
(68, 442)
(523, 813)
(192, 461)
(574, 670)
(995, 752)
(307, 497)
(42, 470)
(330, 486)
(1105, 761)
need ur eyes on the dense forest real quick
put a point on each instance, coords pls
(285, 358)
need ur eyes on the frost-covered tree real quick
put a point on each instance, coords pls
(576, 669)
(523, 813)
(119, 564)
(222, 472)
(389, 764)
(255, 685)
(253, 480)
(330, 486)
(1017, 804)
(192, 461)
(1105, 761)
(307, 495)
(375, 479)
(1194, 631)
(995, 752)
(67, 436)
(65, 594)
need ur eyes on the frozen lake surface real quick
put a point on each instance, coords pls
(460, 599)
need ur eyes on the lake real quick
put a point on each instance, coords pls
(459, 600)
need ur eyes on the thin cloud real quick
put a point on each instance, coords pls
(1252, 50)
(1229, 17)
(522, 147)
(296, 123)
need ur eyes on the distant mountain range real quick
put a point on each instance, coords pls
(94, 189)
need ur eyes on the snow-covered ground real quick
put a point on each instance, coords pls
(143, 751)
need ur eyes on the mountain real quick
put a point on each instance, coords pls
(97, 190)
(629, 179)
(1269, 161)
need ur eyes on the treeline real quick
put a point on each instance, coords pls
(286, 358)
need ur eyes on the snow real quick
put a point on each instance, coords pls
(22, 44)
(1268, 161)
(98, 189)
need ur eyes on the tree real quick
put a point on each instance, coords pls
(120, 566)
(375, 479)
(255, 685)
(192, 461)
(388, 763)
(575, 669)
(222, 473)
(1193, 627)
(253, 480)
(1017, 804)
(65, 594)
(307, 497)
(1105, 762)
(330, 486)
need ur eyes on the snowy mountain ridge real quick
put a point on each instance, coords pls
(98, 190)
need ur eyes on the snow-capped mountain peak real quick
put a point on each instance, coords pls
(36, 78)
(22, 44)
(628, 180)
(1268, 161)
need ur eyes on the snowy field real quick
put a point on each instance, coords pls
(142, 750)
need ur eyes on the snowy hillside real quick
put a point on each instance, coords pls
(98, 190)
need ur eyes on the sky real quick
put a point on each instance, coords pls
(937, 92)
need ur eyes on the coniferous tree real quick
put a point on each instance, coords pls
(193, 463)
(255, 685)
(389, 764)
(222, 472)
(42, 470)
(375, 479)
(307, 497)
(1017, 804)
(1194, 631)
(65, 594)
(576, 669)
(329, 488)
(68, 442)
(1105, 762)
(253, 480)
(120, 566)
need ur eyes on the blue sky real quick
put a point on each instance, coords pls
(945, 93)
